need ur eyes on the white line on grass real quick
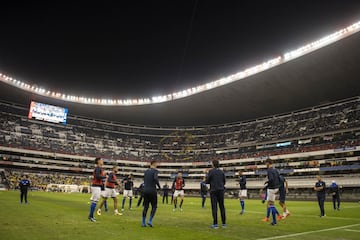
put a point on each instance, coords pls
(304, 215)
(352, 230)
(309, 232)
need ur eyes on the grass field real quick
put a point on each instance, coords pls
(64, 216)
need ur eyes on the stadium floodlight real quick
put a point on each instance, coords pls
(288, 56)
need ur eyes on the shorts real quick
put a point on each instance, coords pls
(109, 192)
(282, 196)
(95, 193)
(271, 194)
(179, 192)
(243, 193)
(128, 193)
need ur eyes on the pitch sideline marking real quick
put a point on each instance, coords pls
(352, 230)
(309, 232)
(314, 216)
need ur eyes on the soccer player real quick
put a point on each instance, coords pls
(24, 185)
(178, 185)
(334, 191)
(242, 191)
(263, 199)
(97, 183)
(216, 179)
(203, 192)
(110, 191)
(128, 191)
(165, 193)
(141, 192)
(320, 192)
(273, 187)
(151, 181)
(283, 190)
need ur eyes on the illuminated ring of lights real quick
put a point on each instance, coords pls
(336, 36)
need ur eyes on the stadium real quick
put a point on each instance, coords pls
(307, 121)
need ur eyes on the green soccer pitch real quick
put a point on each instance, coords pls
(64, 216)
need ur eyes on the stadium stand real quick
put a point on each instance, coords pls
(322, 139)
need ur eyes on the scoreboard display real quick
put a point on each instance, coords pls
(46, 112)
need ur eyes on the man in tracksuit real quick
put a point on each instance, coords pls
(216, 179)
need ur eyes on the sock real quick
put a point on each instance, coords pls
(181, 202)
(123, 202)
(105, 206)
(268, 212)
(273, 213)
(242, 203)
(130, 203)
(92, 209)
(175, 203)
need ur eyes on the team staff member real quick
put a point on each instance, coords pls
(110, 191)
(335, 192)
(320, 192)
(242, 191)
(24, 185)
(165, 193)
(140, 191)
(151, 181)
(203, 192)
(178, 185)
(216, 179)
(128, 191)
(97, 183)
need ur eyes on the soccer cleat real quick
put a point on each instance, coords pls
(174, 209)
(279, 217)
(149, 224)
(224, 226)
(122, 209)
(265, 219)
(242, 212)
(143, 225)
(214, 226)
(98, 212)
(273, 224)
(92, 219)
(117, 213)
(181, 209)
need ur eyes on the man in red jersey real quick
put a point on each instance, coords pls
(110, 191)
(96, 185)
(178, 185)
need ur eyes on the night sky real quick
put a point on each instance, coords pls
(145, 48)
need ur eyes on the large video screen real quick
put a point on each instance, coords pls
(46, 112)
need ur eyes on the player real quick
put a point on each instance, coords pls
(203, 192)
(283, 190)
(242, 191)
(151, 181)
(320, 192)
(165, 193)
(24, 185)
(97, 184)
(141, 192)
(216, 179)
(128, 191)
(110, 191)
(334, 191)
(178, 185)
(263, 200)
(273, 187)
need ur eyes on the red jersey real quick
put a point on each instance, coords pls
(98, 176)
(111, 180)
(179, 183)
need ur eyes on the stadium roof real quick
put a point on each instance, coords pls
(328, 74)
